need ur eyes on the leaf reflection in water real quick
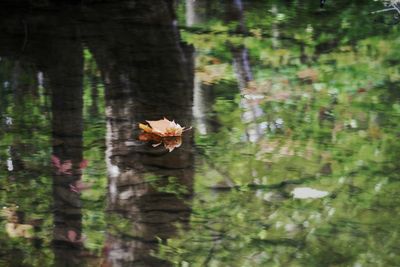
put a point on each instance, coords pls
(169, 142)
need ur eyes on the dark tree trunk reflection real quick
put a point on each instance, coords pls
(53, 46)
(64, 73)
(148, 77)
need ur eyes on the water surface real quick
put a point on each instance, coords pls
(293, 159)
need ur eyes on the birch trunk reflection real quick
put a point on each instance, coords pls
(251, 109)
(149, 77)
(196, 14)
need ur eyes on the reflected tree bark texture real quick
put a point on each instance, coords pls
(59, 61)
(148, 76)
(64, 74)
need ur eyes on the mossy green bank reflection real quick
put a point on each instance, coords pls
(293, 159)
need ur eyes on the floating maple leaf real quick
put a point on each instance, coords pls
(164, 132)
(163, 128)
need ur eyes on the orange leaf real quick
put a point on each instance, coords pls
(163, 128)
(145, 128)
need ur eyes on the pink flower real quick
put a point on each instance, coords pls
(62, 168)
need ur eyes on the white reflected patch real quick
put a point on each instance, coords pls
(199, 107)
(113, 171)
(10, 165)
(40, 78)
(307, 192)
(9, 121)
(279, 121)
(378, 187)
(126, 194)
(253, 96)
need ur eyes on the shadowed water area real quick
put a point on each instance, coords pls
(293, 158)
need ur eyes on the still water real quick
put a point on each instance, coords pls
(293, 158)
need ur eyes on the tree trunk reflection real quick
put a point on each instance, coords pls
(64, 73)
(251, 108)
(149, 77)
